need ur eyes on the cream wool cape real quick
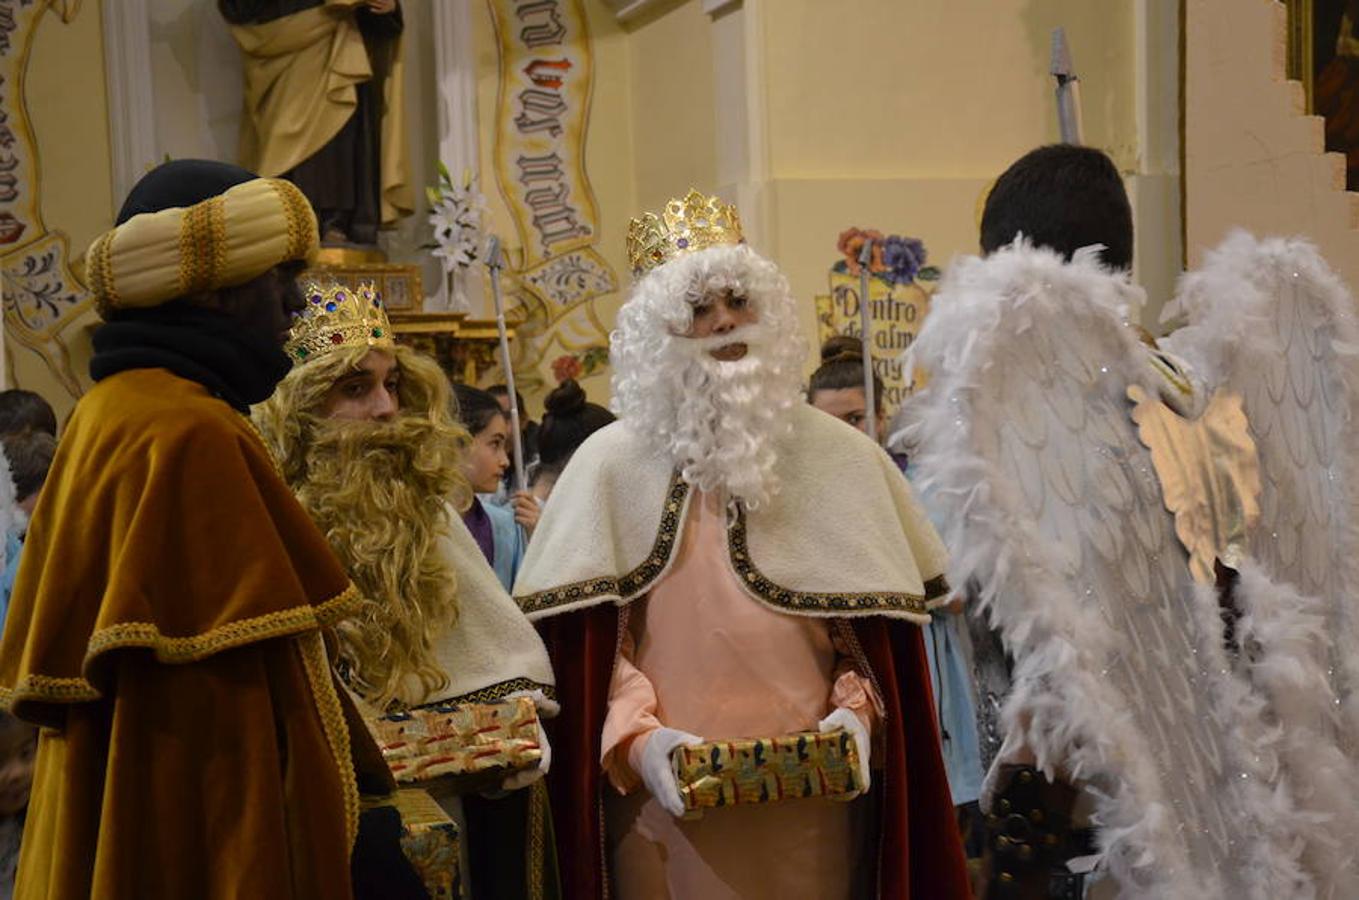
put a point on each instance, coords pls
(829, 543)
(492, 652)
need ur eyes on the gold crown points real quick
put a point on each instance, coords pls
(692, 223)
(338, 316)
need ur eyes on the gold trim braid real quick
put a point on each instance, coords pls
(314, 660)
(536, 845)
(641, 578)
(810, 602)
(299, 219)
(224, 637)
(100, 272)
(177, 650)
(496, 692)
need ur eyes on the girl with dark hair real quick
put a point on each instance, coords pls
(501, 531)
(838, 386)
(569, 420)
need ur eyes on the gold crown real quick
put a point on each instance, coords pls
(338, 316)
(693, 223)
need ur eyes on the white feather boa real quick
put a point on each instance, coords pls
(1062, 706)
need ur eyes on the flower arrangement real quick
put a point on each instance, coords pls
(894, 259)
(577, 365)
(455, 215)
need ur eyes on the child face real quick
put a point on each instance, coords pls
(18, 748)
(848, 405)
(487, 459)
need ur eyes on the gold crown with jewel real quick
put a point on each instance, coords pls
(338, 316)
(686, 225)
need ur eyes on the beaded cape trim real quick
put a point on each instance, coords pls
(49, 689)
(809, 602)
(495, 693)
(632, 584)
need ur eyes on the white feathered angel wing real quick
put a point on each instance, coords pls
(1268, 320)
(1028, 455)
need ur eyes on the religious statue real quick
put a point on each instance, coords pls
(1336, 95)
(323, 107)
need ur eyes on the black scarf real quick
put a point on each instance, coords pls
(202, 345)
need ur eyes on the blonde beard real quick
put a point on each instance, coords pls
(378, 491)
(720, 422)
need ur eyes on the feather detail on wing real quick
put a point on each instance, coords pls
(1051, 510)
(1268, 320)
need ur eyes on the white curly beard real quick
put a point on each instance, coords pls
(718, 422)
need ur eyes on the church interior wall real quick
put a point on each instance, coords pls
(68, 123)
(814, 117)
(1253, 157)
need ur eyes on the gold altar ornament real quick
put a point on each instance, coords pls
(767, 770)
(336, 317)
(686, 225)
(1209, 473)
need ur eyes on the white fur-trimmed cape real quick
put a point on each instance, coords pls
(843, 536)
(492, 652)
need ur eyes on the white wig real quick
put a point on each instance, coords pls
(717, 421)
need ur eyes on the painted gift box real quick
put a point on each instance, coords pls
(767, 770)
(429, 840)
(479, 743)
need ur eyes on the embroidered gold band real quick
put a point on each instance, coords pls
(630, 584)
(497, 692)
(38, 688)
(640, 579)
(815, 602)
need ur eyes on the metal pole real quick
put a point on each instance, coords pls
(1068, 90)
(495, 261)
(866, 337)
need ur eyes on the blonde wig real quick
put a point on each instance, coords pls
(381, 492)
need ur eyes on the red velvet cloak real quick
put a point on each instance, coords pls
(920, 853)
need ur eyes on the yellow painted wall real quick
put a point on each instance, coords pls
(874, 89)
(1253, 158)
(69, 114)
(673, 117)
(874, 113)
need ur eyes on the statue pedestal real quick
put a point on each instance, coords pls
(468, 350)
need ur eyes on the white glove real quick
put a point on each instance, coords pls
(849, 721)
(528, 776)
(656, 772)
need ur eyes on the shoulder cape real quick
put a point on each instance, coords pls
(163, 526)
(844, 536)
(492, 651)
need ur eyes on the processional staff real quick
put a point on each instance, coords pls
(1068, 90)
(865, 329)
(495, 261)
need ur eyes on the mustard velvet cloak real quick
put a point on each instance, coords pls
(165, 630)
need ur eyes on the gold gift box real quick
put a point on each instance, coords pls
(480, 743)
(767, 770)
(429, 840)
